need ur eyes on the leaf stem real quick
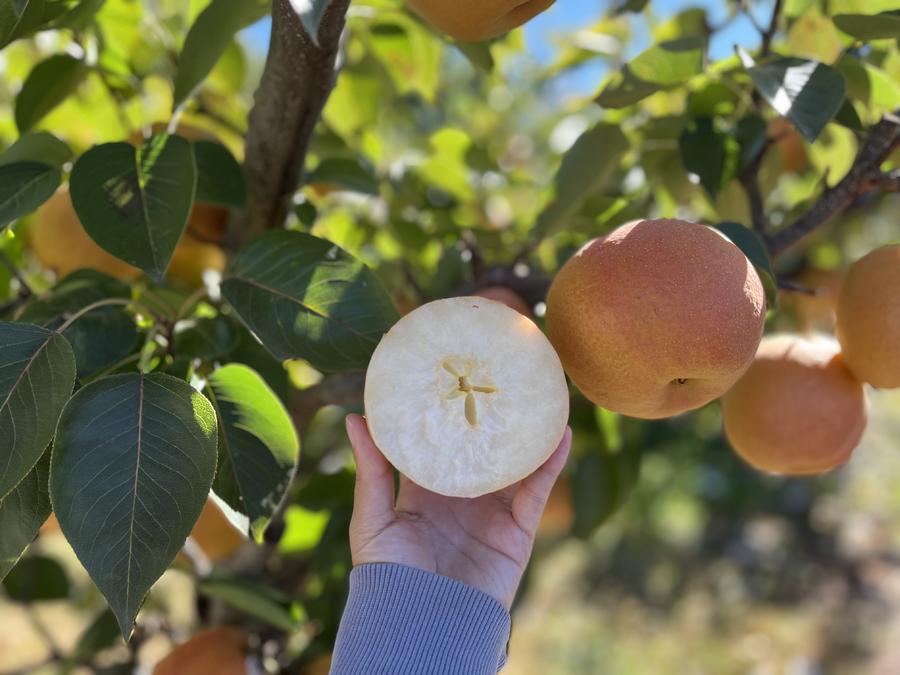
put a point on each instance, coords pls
(104, 303)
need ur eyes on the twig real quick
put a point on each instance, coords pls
(25, 290)
(863, 177)
(476, 262)
(414, 284)
(792, 287)
(749, 180)
(295, 85)
(46, 635)
(766, 45)
(90, 308)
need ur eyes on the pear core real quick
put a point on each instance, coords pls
(466, 396)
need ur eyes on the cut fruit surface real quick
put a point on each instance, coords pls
(466, 396)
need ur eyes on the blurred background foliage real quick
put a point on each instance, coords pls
(434, 163)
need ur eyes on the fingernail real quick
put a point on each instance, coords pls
(349, 426)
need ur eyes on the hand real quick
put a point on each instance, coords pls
(483, 542)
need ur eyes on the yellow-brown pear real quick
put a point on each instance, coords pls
(656, 318)
(798, 410)
(471, 20)
(868, 318)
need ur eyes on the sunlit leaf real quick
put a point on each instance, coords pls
(664, 65)
(807, 92)
(306, 298)
(133, 462)
(258, 444)
(37, 374)
(208, 39)
(135, 202)
(585, 168)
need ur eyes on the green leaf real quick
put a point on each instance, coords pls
(806, 92)
(208, 339)
(220, 179)
(708, 153)
(310, 13)
(663, 66)
(306, 298)
(37, 374)
(36, 578)
(604, 478)
(209, 38)
(883, 26)
(303, 530)
(24, 186)
(80, 16)
(19, 18)
(848, 117)
(48, 84)
(258, 444)
(478, 54)
(100, 338)
(261, 602)
(356, 175)
(408, 51)
(584, 170)
(22, 512)
(135, 202)
(251, 353)
(630, 6)
(103, 632)
(37, 146)
(751, 134)
(132, 466)
(755, 249)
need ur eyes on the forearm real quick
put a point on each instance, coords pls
(406, 621)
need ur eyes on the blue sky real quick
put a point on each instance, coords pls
(546, 30)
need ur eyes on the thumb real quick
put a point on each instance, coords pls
(374, 491)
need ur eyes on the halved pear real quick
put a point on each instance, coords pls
(466, 396)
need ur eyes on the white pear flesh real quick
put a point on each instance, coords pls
(466, 396)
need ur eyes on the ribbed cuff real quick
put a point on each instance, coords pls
(401, 620)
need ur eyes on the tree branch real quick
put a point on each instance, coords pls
(749, 180)
(767, 35)
(296, 82)
(863, 177)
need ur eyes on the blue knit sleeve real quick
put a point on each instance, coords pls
(401, 620)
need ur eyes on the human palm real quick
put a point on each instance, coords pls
(484, 542)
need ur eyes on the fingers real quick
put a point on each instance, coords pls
(374, 491)
(531, 497)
